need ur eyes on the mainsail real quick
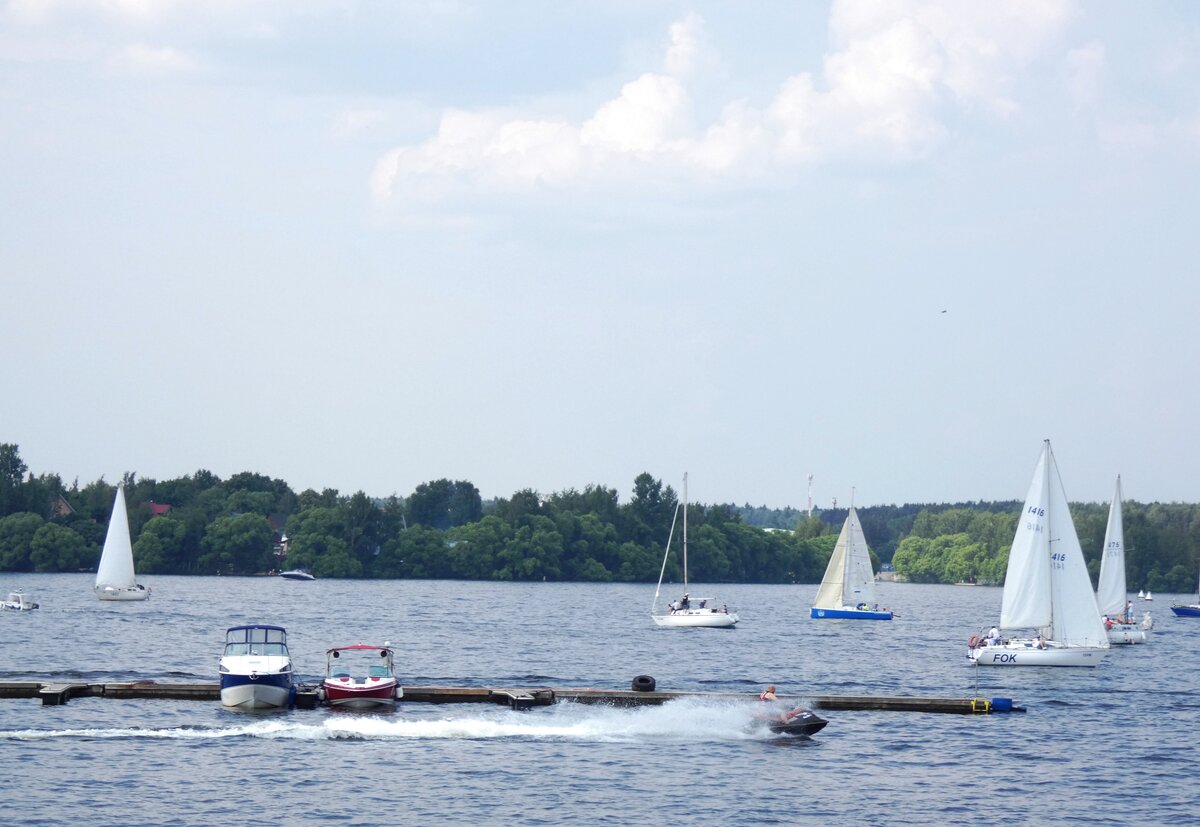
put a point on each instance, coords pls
(1111, 596)
(116, 561)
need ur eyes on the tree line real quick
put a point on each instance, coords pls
(250, 523)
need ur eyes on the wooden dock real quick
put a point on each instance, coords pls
(59, 692)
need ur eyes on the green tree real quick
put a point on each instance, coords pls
(57, 548)
(12, 473)
(160, 548)
(16, 538)
(443, 504)
(238, 545)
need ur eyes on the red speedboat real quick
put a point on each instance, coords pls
(360, 677)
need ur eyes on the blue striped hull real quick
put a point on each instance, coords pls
(848, 614)
(261, 692)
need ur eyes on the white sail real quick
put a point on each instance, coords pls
(849, 579)
(1111, 596)
(1026, 601)
(116, 561)
(1047, 586)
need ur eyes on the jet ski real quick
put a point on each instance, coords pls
(798, 721)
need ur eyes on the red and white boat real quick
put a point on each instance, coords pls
(361, 677)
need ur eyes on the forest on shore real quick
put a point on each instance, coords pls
(250, 523)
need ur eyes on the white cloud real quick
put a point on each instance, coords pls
(687, 46)
(650, 112)
(897, 69)
(1085, 67)
(148, 60)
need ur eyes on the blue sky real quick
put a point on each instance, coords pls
(541, 245)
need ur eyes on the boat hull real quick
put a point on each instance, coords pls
(122, 594)
(379, 695)
(848, 614)
(296, 575)
(271, 691)
(700, 618)
(1124, 634)
(1027, 653)
(799, 723)
(1186, 611)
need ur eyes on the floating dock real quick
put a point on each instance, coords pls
(53, 693)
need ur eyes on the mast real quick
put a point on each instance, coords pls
(1051, 536)
(685, 506)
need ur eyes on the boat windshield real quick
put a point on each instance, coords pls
(360, 663)
(256, 640)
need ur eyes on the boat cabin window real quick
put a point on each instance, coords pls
(256, 641)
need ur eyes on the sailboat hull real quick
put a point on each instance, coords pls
(848, 614)
(124, 594)
(1027, 653)
(1186, 611)
(703, 618)
(1127, 635)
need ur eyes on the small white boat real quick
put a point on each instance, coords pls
(1046, 586)
(688, 612)
(1148, 596)
(1111, 598)
(256, 668)
(18, 601)
(296, 574)
(115, 578)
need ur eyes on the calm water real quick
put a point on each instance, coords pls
(1114, 745)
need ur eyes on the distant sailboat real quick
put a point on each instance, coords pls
(1111, 597)
(848, 588)
(115, 578)
(689, 611)
(1046, 586)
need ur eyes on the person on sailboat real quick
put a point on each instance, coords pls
(993, 636)
(1128, 611)
(683, 604)
(1038, 642)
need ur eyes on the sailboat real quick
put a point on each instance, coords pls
(1046, 587)
(115, 579)
(1111, 598)
(848, 588)
(688, 611)
(1189, 610)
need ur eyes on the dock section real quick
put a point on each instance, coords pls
(519, 698)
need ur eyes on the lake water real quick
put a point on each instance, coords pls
(1113, 745)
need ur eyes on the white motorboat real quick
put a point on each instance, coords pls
(296, 574)
(18, 601)
(256, 668)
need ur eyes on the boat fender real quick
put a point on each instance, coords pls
(643, 683)
(973, 642)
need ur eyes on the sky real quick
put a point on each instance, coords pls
(543, 245)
